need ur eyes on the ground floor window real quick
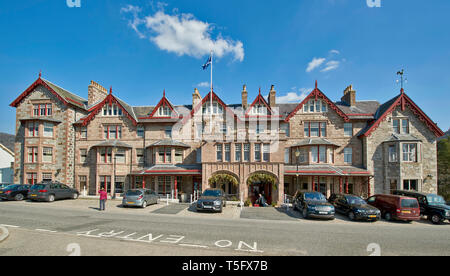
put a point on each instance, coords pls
(119, 184)
(393, 185)
(83, 182)
(31, 178)
(105, 182)
(410, 185)
(47, 177)
(164, 184)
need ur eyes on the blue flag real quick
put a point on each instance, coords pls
(208, 62)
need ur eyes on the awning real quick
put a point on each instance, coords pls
(325, 170)
(160, 170)
(42, 119)
(315, 142)
(114, 144)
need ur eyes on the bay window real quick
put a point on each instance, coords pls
(348, 155)
(410, 152)
(47, 155)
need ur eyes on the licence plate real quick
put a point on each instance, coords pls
(33, 195)
(323, 213)
(406, 212)
(1, 192)
(207, 207)
(372, 216)
(130, 202)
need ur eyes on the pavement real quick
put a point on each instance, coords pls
(67, 227)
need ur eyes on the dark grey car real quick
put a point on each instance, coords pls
(139, 198)
(51, 191)
(212, 200)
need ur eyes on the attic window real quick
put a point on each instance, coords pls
(314, 106)
(112, 110)
(259, 109)
(164, 111)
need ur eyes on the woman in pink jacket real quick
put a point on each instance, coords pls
(103, 198)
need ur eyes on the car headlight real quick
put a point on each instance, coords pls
(217, 202)
(447, 213)
(312, 208)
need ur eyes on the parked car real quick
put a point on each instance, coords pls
(139, 197)
(354, 207)
(431, 205)
(14, 192)
(51, 191)
(313, 204)
(4, 185)
(212, 200)
(394, 207)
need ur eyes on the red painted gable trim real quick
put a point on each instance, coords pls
(163, 102)
(30, 89)
(206, 99)
(259, 99)
(316, 93)
(110, 99)
(404, 101)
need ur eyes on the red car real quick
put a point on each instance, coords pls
(394, 207)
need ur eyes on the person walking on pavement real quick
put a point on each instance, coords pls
(103, 198)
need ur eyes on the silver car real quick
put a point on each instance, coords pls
(140, 198)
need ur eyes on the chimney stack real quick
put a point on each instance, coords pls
(196, 98)
(96, 93)
(244, 97)
(272, 96)
(349, 96)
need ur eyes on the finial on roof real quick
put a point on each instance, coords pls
(316, 84)
(110, 90)
(40, 73)
(402, 90)
(164, 93)
(259, 90)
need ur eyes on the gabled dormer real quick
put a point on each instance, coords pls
(259, 107)
(163, 110)
(317, 102)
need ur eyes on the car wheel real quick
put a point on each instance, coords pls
(305, 214)
(18, 197)
(51, 198)
(294, 206)
(351, 216)
(144, 204)
(75, 196)
(388, 216)
(436, 219)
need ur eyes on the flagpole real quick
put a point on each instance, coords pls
(211, 110)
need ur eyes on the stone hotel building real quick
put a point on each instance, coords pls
(345, 146)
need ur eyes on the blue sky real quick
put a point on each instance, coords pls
(289, 44)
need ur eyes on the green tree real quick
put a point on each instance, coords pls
(444, 167)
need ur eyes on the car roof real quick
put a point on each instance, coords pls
(411, 192)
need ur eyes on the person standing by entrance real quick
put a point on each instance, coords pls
(103, 198)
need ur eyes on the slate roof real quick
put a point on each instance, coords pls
(72, 98)
(315, 141)
(169, 143)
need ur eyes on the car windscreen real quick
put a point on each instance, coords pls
(315, 197)
(213, 193)
(38, 187)
(409, 203)
(133, 193)
(354, 200)
(13, 187)
(435, 200)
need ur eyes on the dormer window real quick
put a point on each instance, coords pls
(401, 126)
(112, 110)
(259, 109)
(164, 111)
(216, 108)
(42, 110)
(313, 106)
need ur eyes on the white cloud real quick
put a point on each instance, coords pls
(183, 34)
(316, 62)
(331, 65)
(294, 97)
(203, 84)
(336, 52)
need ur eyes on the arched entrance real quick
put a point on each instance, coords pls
(261, 183)
(225, 181)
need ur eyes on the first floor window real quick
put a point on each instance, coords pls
(178, 156)
(258, 152)
(227, 152)
(31, 178)
(168, 132)
(238, 153)
(219, 152)
(287, 152)
(393, 153)
(112, 132)
(47, 155)
(83, 155)
(266, 152)
(140, 131)
(48, 130)
(348, 129)
(348, 155)
(410, 185)
(410, 152)
(47, 177)
(32, 155)
(120, 156)
(83, 132)
(246, 152)
(106, 155)
(331, 155)
(140, 155)
(322, 154)
(314, 154)
(33, 129)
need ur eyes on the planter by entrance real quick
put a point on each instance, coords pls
(261, 183)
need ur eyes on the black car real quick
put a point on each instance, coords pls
(14, 192)
(354, 207)
(431, 205)
(212, 200)
(51, 191)
(313, 204)
(4, 185)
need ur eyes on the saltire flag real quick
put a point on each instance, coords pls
(208, 62)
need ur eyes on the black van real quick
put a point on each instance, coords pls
(431, 205)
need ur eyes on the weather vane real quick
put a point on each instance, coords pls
(402, 79)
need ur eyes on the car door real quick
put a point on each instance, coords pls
(340, 204)
(66, 191)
